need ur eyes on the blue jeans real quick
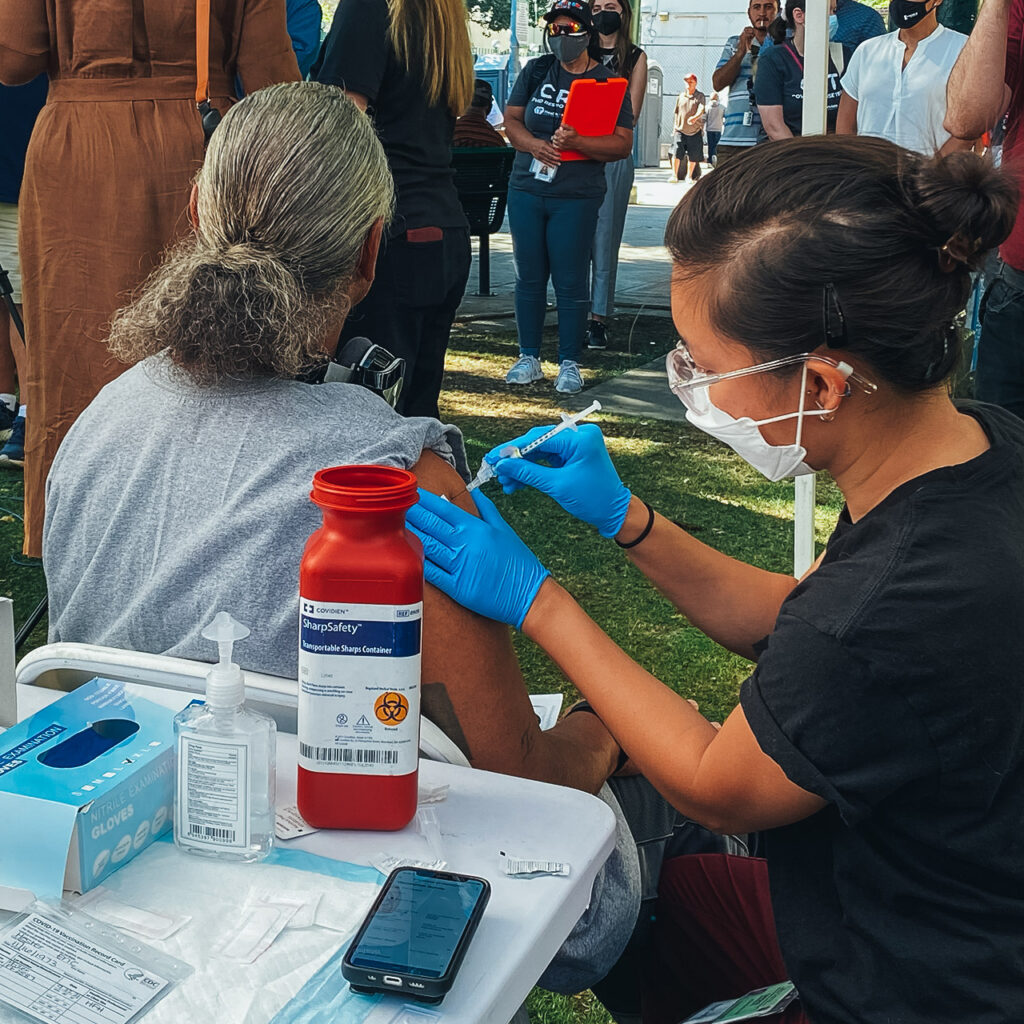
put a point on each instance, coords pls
(1000, 374)
(713, 139)
(552, 237)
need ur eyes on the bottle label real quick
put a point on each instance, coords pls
(359, 687)
(213, 794)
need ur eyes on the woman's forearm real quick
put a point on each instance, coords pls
(605, 148)
(628, 698)
(976, 93)
(774, 123)
(518, 134)
(734, 603)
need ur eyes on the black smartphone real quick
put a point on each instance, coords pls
(416, 934)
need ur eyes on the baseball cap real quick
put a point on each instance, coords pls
(686, 78)
(483, 94)
(576, 9)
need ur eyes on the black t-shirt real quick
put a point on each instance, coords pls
(780, 82)
(545, 104)
(610, 59)
(416, 136)
(893, 687)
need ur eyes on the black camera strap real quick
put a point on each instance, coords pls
(209, 115)
(8, 293)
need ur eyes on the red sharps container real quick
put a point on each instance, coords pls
(360, 613)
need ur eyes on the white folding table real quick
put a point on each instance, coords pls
(526, 920)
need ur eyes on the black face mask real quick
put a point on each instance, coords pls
(607, 23)
(907, 13)
(568, 48)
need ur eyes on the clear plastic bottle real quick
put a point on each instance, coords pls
(224, 796)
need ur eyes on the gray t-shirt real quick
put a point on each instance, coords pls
(168, 502)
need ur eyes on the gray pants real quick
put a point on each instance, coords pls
(611, 219)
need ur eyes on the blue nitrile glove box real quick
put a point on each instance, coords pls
(85, 784)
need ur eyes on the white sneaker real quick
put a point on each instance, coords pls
(570, 380)
(525, 370)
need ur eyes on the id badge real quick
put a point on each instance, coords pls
(542, 171)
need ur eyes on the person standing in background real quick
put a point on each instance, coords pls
(688, 131)
(408, 64)
(19, 108)
(857, 23)
(779, 88)
(895, 85)
(735, 72)
(613, 20)
(95, 216)
(553, 204)
(986, 88)
(714, 122)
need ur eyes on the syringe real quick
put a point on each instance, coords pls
(486, 471)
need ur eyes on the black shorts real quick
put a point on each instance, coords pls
(692, 147)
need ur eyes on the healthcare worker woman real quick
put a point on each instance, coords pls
(879, 740)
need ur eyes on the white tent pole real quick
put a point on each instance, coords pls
(814, 122)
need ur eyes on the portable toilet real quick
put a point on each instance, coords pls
(647, 130)
(492, 68)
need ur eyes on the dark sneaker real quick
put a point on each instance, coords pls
(12, 454)
(7, 418)
(597, 335)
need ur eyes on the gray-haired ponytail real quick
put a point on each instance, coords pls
(293, 181)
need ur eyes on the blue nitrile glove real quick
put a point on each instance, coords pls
(481, 563)
(580, 477)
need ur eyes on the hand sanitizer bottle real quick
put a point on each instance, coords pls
(224, 797)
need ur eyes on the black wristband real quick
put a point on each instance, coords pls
(583, 705)
(646, 530)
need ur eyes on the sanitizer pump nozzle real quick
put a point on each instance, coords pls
(224, 797)
(225, 687)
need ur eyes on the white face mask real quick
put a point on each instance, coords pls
(775, 461)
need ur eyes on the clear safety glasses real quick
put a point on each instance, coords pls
(573, 28)
(684, 375)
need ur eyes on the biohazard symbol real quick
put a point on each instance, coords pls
(391, 708)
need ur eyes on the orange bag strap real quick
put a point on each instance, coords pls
(202, 51)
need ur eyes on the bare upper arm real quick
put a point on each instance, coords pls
(744, 789)
(638, 85)
(472, 686)
(846, 119)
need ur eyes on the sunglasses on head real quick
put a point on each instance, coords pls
(573, 28)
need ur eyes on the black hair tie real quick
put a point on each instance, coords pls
(646, 530)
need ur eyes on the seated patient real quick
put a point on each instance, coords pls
(183, 489)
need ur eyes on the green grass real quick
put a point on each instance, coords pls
(687, 476)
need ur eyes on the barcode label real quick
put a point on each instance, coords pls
(346, 755)
(221, 835)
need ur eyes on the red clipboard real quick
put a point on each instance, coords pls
(593, 109)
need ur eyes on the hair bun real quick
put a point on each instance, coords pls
(968, 205)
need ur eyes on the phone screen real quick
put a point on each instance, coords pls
(416, 928)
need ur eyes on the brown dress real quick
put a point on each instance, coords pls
(108, 175)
